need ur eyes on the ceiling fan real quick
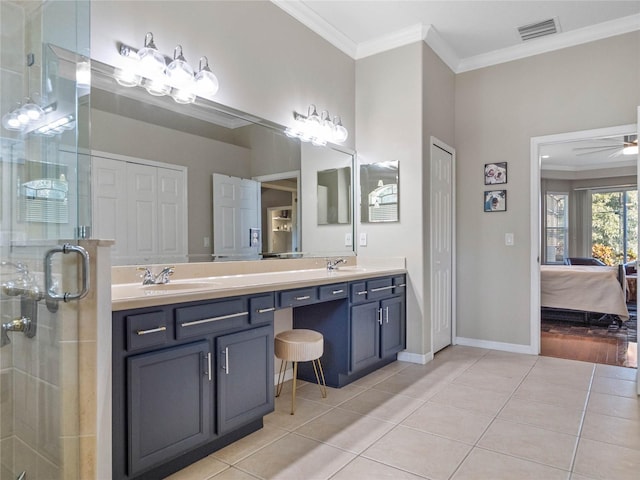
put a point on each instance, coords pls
(626, 145)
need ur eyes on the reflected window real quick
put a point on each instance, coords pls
(379, 187)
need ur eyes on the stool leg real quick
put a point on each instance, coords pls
(293, 392)
(322, 386)
(283, 365)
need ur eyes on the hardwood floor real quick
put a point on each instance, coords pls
(586, 349)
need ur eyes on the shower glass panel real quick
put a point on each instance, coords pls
(43, 180)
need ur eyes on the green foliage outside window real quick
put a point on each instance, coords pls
(608, 237)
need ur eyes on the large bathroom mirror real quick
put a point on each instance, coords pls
(379, 192)
(209, 138)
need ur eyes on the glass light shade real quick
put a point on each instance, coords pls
(127, 77)
(33, 111)
(179, 72)
(318, 141)
(340, 134)
(630, 150)
(157, 87)
(206, 82)
(183, 96)
(10, 121)
(23, 117)
(313, 123)
(152, 63)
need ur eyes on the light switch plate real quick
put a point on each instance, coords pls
(363, 239)
(207, 242)
(348, 240)
(508, 239)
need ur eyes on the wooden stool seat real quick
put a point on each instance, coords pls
(299, 345)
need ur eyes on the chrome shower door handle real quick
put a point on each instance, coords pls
(48, 276)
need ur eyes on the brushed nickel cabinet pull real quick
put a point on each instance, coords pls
(265, 310)
(363, 292)
(401, 285)
(336, 292)
(380, 289)
(151, 330)
(214, 319)
(306, 297)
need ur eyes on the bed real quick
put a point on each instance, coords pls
(583, 288)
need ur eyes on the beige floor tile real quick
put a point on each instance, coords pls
(434, 371)
(501, 368)
(531, 443)
(382, 405)
(614, 386)
(335, 396)
(485, 402)
(296, 457)
(569, 377)
(363, 468)
(423, 389)
(615, 406)
(418, 452)
(613, 371)
(201, 470)
(511, 357)
(346, 430)
(450, 422)
(485, 465)
(373, 378)
(233, 474)
(488, 381)
(618, 431)
(544, 415)
(563, 364)
(305, 410)
(249, 444)
(577, 476)
(605, 462)
(539, 390)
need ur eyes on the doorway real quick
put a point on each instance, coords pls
(584, 210)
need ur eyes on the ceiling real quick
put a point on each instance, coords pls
(465, 34)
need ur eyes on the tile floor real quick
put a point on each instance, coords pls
(470, 414)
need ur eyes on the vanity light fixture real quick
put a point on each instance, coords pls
(22, 115)
(147, 68)
(317, 129)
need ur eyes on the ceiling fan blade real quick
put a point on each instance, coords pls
(598, 147)
(596, 151)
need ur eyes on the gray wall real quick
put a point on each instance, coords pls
(498, 109)
(268, 64)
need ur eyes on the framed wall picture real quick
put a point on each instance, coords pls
(495, 173)
(495, 201)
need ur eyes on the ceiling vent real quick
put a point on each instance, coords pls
(539, 29)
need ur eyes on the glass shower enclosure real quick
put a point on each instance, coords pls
(44, 94)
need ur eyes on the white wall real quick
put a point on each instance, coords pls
(497, 111)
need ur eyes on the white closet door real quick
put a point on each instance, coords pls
(109, 204)
(172, 216)
(142, 214)
(236, 211)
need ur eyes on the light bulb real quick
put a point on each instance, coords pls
(157, 87)
(340, 133)
(630, 150)
(127, 77)
(152, 63)
(33, 111)
(10, 121)
(312, 125)
(183, 96)
(179, 72)
(23, 116)
(206, 82)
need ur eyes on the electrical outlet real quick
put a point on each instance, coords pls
(348, 240)
(363, 239)
(508, 239)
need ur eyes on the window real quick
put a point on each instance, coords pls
(614, 225)
(556, 227)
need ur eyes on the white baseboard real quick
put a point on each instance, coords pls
(420, 358)
(505, 347)
(288, 375)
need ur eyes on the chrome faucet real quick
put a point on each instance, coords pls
(161, 278)
(333, 264)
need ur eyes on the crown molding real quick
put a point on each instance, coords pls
(442, 48)
(553, 42)
(415, 33)
(319, 25)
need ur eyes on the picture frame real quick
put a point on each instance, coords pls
(495, 173)
(495, 201)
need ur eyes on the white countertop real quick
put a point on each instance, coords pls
(196, 282)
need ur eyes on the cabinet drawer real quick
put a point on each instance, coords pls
(299, 296)
(146, 330)
(211, 317)
(378, 288)
(400, 282)
(334, 291)
(358, 292)
(261, 308)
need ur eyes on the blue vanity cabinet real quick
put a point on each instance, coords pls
(188, 379)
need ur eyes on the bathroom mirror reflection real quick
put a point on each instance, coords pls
(209, 138)
(334, 196)
(379, 189)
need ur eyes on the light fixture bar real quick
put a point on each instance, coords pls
(317, 129)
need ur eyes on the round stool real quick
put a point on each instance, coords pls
(299, 345)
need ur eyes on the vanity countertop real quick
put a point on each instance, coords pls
(203, 283)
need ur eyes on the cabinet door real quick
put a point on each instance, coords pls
(244, 377)
(142, 224)
(393, 326)
(168, 404)
(172, 216)
(365, 335)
